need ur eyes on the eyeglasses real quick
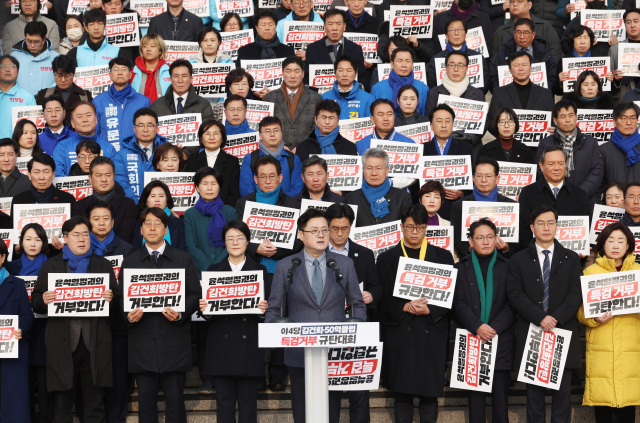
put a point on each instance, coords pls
(549, 224)
(63, 75)
(78, 235)
(506, 123)
(633, 198)
(453, 30)
(87, 158)
(12, 67)
(143, 126)
(152, 224)
(316, 232)
(370, 169)
(34, 42)
(525, 33)
(456, 66)
(338, 229)
(417, 229)
(481, 239)
(626, 119)
(272, 131)
(271, 178)
(234, 240)
(482, 176)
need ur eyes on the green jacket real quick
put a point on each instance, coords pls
(197, 238)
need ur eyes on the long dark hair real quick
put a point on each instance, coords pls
(17, 134)
(40, 232)
(144, 196)
(580, 80)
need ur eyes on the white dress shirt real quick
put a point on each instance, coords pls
(160, 250)
(539, 250)
(559, 186)
(237, 267)
(175, 99)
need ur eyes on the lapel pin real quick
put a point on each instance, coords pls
(355, 255)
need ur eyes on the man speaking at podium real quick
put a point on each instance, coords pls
(314, 296)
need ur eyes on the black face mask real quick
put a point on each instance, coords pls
(465, 4)
(595, 4)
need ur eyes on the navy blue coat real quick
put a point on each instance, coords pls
(176, 231)
(318, 54)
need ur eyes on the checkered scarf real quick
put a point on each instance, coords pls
(567, 147)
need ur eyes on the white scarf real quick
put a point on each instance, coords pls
(211, 157)
(456, 89)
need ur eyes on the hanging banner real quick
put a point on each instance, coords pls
(440, 236)
(474, 362)
(533, 126)
(232, 292)
(266, 73)
(470, 114)
(273, 222)
(355, 368)
(603, 216)
(404, 157)
(199, 8)
(184, 50)
(50, 216)
(78, 294)
(94, 79)
(181, 129)
(241, 144)
(369, 44)
(78, 186)
(515, 176)
(8, 342)
(504, 215)
(307, 204)
(596, 123)
(122, 30)
(629, 58)
(378, 238)
(406, 21)
(544, 357)
(419, 71)
(538, 75)
(181, 186)
(356, 129)
(574, 66)
(573, 233)
(334, 334)
(209, 79)
(417, 279)
(116, 262)
(146, 9)
(617, 293)
(299, 34)
(232, 41)
(321, 77)
(418, 132)
(15, 7)
(475, 70)
(475, 41)
(453, 172)
(5, 205)
(604, 23)
(153, 290)
(345, 172)
(243, 8)
(31, 113)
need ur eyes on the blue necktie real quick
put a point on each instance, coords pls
(546, 270)
(155, 255)
(316, 282)
(555, 192)
(179, 108)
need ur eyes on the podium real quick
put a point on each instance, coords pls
(316, 339)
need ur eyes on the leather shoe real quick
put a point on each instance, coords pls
(276, 384)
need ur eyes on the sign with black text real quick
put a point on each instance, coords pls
(544, 356)
(209, 78)
(183, 50)
(504, 215)
(276, 223)
(574, 66)
(417, 279)
(181, 129)
(147, 9)
(266, 73)
(241, 144)
(404, 157)
(299, 34)
(453, 172)
(617, 293)
(318, 335)
(418, 132)
(596, 123)
(232, 292)
(406, 21)
(533, 126)
(515, 176)
(199, 8)
(475, 41)
(8, 342)
(345, 172)
(629, 58)
(440, 236)
(232, 41)
(604, 23)
(122, 30)
(321, 77)
(152, 290)
(378, 238)
(78, 186)
(470, 114)
(355, 368)
(306, 204)
(473, 362)
(475, 70)
(50, 216)
(78, 294)
(243, 8)
(30, 113)
(94, 79)
(369, 44)
(116, 262)
(573, 233)
(356, 129)
(603, 216)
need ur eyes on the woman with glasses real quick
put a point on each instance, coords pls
(237, 82)
(231, 22)
(25, 134)
(587, 92)
(407, 114)
(167, 158)
(505, 148)
(151, 73)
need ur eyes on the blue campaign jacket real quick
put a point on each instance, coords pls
(383, 90)
(291, 181)
(365, 143)
(87, 57)
(280, 27)
(165, 81)
(115, 119)
(16, 96)
(36, 72)
(49, 142)
(355, 105)
(65, 152)
(131, 164)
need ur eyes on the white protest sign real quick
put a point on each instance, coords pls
(232, 41)
(243, 8)
(597, 124)
(419, 71)
(266, 73)
(475, 41)
(573, 233)
(515, 176)
(78, 7)
(22, 163)
(470, 114)
(94, 79)
(321, 77)
(200, 8)
(209, 79)
(533, 126)
(355, 368)
(475, 70)
(78, 294)
(152, 290)
(181, 186)
(5, 204)
(603, 216)
(636, 235)
(404, 157)
(324, 205)
(10, 237)
(122, 30)
(183, 50)
(299, 34)
(276, 223)
(440, 236)
(574, 66)
(406, 21)
(418, 132)
(345, 172)
(50, 216)
(369, 44)
(544, 356)
(474, 362)
(147, 9)
(232, 292)
(422, 279)
(318, 335)
(321, 6)
(378, 238)
(578, 6)
(15, 7)
(116, 263)
(31, 113)
(617, 293)
(268, 4)
(629, 58)
(8, 342)
(453, 172)
(504, 215)
(241, 144)
(604, 23)
(356, 129)
(538, 75)
(78, 186)
(181, 129)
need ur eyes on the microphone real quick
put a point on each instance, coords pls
(331, 263)
(292, 271)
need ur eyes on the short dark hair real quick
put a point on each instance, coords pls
(525, 21)
(40, 233)
(69, 17)
(42, 158)
(550, 150)
(208, 124)
(236, 224)
(630, 185)
(456, 19)
(378, 102)
(563, 104)
(95, 15)
(540, 210)
(157, 212)
(487, 160)
(264, 13)
(7, 142)
(235, 97)
(70, 224)
(179, 64)
(332, 12)
(458, 53)
(330, 106)
(417, 212)
(403, 50)
(36, 28)
(52, 97)
(237, 75)
(629, 11)
(207, 30)
(12, 59)
(207, 171)
(398, 41)
(88, 144)
(227, 17)
(338, 211)
(517, 55)
(314, 160)
(145, 111)
(485, 221)
(269, 121)
(267, 160)
(308, 215)
(82, 103)
(623, 107)
(18, 131)
(122, 61)
(292, 59)
(615, 183)
(606, 233)
(144, 196)
(407, 88)
(496, 119)
(577, 30)
(346, 58)
(163, 149)
(64, 64)
(431, 186)
(442, 106)
(102, 160)
(100, 205)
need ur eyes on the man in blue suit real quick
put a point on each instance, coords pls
(314, 296)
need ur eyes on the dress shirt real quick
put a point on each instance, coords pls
(344, 251)
(175, 99)
(237, 267)
(443, 147)
(308, 260)
(160, 250)
(539, 250)
(551, 186)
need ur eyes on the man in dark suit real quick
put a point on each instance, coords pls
(551, 190)
(12, 182)
(377, 201)
(77, 348)
(154, 359)
(472, 19)
(102, 177)
(444, 144)
(484, 270)
(486, 173)
(176, 24)
(544, 289)
(521, 93)
(315, 176)
(328, 49)
(314, 296)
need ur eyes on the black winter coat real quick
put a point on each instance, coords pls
(318, 54)
(524, 286)
(228, 165)
(365, 265)
(124, 217)
(520, 153)
(604, 102)
(398, 200)
(253, 52)
(502, 318)
(475, 19)
(311, 146)
(328, 196)
(368, 25)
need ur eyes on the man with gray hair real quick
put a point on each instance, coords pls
(377, 201)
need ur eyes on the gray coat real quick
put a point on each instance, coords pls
(15, 184)
(293, 132)
(14, 32)
(614, 163)
(543, 29)
(301, 304)
(398, 199)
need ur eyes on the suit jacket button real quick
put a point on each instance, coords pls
(426, 331)
(319, 311)
(244, 319)
(244, 336)
(226, 336)
(408, 328)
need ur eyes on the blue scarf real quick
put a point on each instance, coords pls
(450, 47)
(587, 54)
(326, 141)
(217, 221)
(167, 237)
(627, 145)
(99, 247)
(77, 264)
(32, 267)
(268, 197)
(121, 95)
(375, 197)
(396, 82)
(243, 128)
(446, 146)
(493, 195)
(3, 274)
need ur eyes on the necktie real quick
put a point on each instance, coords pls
(546, 270)
(555, 192)
(316, 282)
(179, 108)
(155, 256)
(146, 152)
(291, 96)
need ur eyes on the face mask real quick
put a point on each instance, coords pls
(595, 4)
(465, 4)
(74, 34)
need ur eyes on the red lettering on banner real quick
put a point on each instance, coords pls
(154, 288)
(233, 291)
(503, 219)
(566, 234)
(120, 29)
(256, 222)
(546, 356)
(613, 292)
(79, 293)
(6, 334)
(515, 179)
(420, 279)
(473, 357)
(343, 170)
(47, 222)
(409, 158)
(352, 368)
(380, 241)
(445, 171)
(182, 189)
(603, 223)
(442, 242)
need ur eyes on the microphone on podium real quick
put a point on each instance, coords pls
(331, 263)
(292, 271)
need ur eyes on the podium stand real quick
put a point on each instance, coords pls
(316, 339)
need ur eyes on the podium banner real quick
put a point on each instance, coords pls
(417, 279)
(617, 293)
(378, 238)
(474, 362)
(603, 216)
(453, 172)
(8, 342)
(153, 290)
(183, 191)
(78, 294)
(345, 172)
(544, 356)
(504, 215)
(318, 335)
(273, 222)
(355, 368)
(232, 292)
(515, 176)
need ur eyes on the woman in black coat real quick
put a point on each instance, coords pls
(587, 93)
(213, 138)
(233, 357)
(506, 148)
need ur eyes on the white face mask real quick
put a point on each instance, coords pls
(74, 34)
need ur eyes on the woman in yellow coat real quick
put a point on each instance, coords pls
(613, 343)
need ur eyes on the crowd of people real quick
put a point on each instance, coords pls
(91, 364)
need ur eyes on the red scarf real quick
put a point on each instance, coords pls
(150, 86)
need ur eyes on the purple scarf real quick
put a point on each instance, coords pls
(461, 14)
(433, 221)
(217, 222)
